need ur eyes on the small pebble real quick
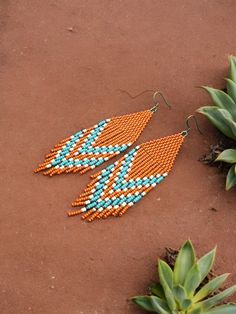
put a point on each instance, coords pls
(71, 29)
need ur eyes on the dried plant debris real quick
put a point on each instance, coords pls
(215, 150)
(170, 256)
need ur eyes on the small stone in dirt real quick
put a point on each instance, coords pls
(71, 29)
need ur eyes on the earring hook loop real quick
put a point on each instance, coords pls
(155, 107)
(188, 128)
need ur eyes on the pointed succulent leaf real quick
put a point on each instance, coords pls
(206, 262)
(159, 305)
(152, 304)
(231, 178)
(193, 280)
(232, 72)
(165, 273)
(166, 280)
(228, 155)
(213, 301)
(179, 293)
(223, 309)
(186, 304)
(181, 297)
(231, 88)
(170, 299)
(184, 262)
(144, 302)
(196, 311)
(221, 119)
(222, 100)
(232, 125)
(157, 290)
(210, 287)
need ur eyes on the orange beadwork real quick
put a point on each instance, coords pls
(91, 147)
(115, 189)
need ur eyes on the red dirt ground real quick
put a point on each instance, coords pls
(55, 81)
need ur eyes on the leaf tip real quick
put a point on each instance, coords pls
(215, 250)
(200, 110)
(232, 57)
(188, 243)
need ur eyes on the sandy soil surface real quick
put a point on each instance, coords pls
(62, 66)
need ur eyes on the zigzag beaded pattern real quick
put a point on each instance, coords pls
(91, 147)
(119, 186)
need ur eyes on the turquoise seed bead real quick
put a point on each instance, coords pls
(160, 179)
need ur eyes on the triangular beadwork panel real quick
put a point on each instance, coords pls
(119, 186)
(91, 147)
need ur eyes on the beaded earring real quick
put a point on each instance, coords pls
(119, 186)
(91, 147)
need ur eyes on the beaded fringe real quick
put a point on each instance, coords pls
(91, 147)
(118, 187)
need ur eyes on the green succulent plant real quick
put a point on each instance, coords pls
(181, 290)
(223, 116)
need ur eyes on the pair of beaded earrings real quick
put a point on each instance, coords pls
(120, 185)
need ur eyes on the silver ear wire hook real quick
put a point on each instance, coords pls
(188, 128)
(155, 107)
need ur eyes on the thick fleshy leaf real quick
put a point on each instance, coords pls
(184, 262)
(221, 119)
(206, 262)
(181, 297)
(152, 304)
(228, 155)
(231, 88)
(160, 305)
(144, 302)
(222, 100)
(193, 280)
(231, 178)
(213, 301)
(232, 72)
(224, 309)
(165, 274)
(195, 311)
(179, 293)
(166, 280)
(157, 290)
(186, 304)
(210, 287)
